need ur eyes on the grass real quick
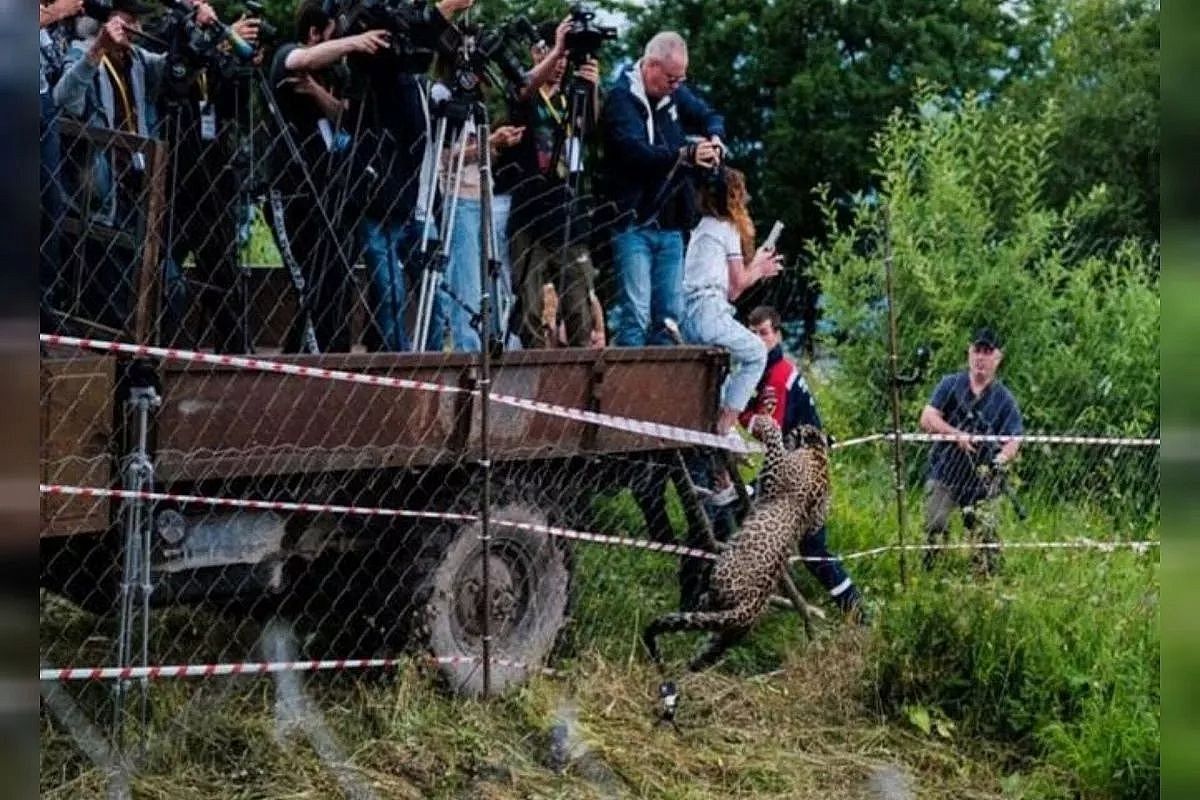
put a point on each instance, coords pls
(1041, 683)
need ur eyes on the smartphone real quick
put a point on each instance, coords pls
(773, 236)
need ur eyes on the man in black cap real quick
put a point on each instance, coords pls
(966, 404)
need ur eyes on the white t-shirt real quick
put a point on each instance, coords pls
(706, 264)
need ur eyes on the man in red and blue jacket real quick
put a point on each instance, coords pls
(783, 392)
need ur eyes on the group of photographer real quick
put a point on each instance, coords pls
(97, 69)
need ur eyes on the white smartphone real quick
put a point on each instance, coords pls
(773, 236)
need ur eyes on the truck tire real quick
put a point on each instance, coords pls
(530, 577)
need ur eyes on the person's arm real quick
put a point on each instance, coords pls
(330, 106)
(766, 264)
(801, 408)
(58, 10)
(501, 138)
(1013, 426)
(448, 8)
(541, 73)
(697, 115)
(71, 92)
(319, 56)
(932, 420)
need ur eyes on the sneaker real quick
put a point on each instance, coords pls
(722, 498)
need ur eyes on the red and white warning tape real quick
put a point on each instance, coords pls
(249, 668)
(259, 505)
(318, 508)
(657, 430)
(1141, 546)
(565, 533)
(1031, 438)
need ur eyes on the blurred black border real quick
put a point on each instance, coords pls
(18, 401)
(1180, 395)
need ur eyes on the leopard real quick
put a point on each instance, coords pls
(793, 501)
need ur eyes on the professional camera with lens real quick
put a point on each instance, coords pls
(584, 38)
(99, 10)
(490, 54)
(416, 29)
(268, 34)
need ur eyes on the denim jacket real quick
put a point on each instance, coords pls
(86, 93)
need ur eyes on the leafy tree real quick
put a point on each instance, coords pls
(1101, 67)
(806, 84)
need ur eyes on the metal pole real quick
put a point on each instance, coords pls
(135, 578)
(893, 350)
(487, 267)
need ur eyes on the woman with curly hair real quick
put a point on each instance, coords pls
(721, 263)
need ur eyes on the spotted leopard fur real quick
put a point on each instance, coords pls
(793, 498)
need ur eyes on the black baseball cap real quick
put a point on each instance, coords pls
(986, 337)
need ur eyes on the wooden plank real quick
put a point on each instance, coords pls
(76, 435)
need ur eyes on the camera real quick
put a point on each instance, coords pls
(496, 47)
(267, 33)
(417, 31)
(99, 10)
(584, 38)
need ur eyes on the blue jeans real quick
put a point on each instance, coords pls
(710, 320)
(649, 265)
(462, 277)
(462, 272)
(382, 244)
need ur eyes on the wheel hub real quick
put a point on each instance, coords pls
(505, 597)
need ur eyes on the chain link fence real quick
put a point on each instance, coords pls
(242, 476)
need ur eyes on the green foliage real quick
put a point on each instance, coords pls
(1102, 69)
(972, 241)
(1061, 658)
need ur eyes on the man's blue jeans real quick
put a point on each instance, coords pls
(649, 266)
(462, 271)
(382, 244)
(462, 277)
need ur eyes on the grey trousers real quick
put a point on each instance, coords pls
(979, 521)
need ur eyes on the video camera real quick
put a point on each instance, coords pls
(267, 33)
(489, 55)
(99, 10)
(584, 39)
(417, 30)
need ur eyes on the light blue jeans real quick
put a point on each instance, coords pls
(381, 244)
(462, 271)
(649, 266)
(710, 320)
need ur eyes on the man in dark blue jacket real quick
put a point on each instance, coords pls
(649, 165)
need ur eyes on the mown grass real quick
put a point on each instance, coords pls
(1039, 683)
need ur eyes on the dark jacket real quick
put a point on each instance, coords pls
(638, 166)
(794, 405)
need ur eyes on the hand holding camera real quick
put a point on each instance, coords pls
(370, 42)
(702, 154)
(59, 10)
(247, 28)
(590, 72)
(113, 37)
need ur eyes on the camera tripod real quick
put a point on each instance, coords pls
(465, 110)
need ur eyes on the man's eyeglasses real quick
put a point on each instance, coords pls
(672, 80)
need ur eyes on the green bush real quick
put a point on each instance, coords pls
(960, 202)
(1061, 658)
